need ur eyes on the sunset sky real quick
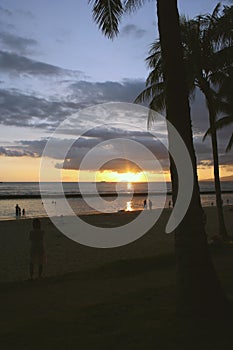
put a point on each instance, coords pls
(54, 63)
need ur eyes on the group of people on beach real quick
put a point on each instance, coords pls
(18, 211)
(149, 204)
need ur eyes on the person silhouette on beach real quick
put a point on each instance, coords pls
(150, 204)
(17, 211)
(37, 251)
(144, 204)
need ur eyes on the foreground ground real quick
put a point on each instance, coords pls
(127, 304)
(121, 298)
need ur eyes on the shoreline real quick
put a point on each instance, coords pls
(112, 194)
(228, 207)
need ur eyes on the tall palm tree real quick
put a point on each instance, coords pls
(227, 119)
(224, 98)
(198, 285)
(206, 56)
(224, 104)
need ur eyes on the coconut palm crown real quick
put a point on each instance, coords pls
(207, 53)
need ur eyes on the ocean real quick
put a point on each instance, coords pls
(130, 197)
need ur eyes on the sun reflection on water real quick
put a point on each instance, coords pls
(129, 186)
(128, 206)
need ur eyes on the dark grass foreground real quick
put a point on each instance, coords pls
(128, 304)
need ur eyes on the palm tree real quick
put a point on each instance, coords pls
(198, 285)
(226, 120)
(224, 104)
(206, 57)
(224, 98)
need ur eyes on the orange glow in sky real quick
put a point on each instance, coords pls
(23, 169)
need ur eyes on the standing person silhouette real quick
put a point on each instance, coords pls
(37, 251)
(144, 204)
(150, 204)
(17, 210)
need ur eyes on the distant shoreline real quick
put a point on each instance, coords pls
(79, 195)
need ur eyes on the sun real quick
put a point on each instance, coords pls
(127, 176)
(131, 177)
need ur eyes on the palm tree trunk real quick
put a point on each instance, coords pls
(221, 223)
(199, 290)
(205, 88)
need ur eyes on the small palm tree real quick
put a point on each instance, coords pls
(206, 57)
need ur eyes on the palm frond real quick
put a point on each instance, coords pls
(144, 96)
(216, 10)
(207, 133)
(230, 143)
(158, 103)
(154, 94)
(223, 122)
(107, 14)
(152, 116)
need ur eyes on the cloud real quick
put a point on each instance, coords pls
(28, 110)
(125, 91)
(81, 146)
(18, 109)
(115, 149)
(17, 64)
(133, 31)
(17, 43)
(5, 11)
(120, 159)
(21, 109)
(14, 152)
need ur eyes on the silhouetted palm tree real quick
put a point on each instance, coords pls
(224, 31)
(206, 53)
(198, 285)
(224, 104)
(226, 121)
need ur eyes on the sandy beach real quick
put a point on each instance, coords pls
(121, 298)
(65, 256)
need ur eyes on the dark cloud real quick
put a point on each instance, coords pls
(120, 165)
(27, 110)
(5, 11)
(13, 63)
(81, 146)
(14, 152)
(126, 91)
(115, 149)
(133, 30)
(17, 43)
(20, 109)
